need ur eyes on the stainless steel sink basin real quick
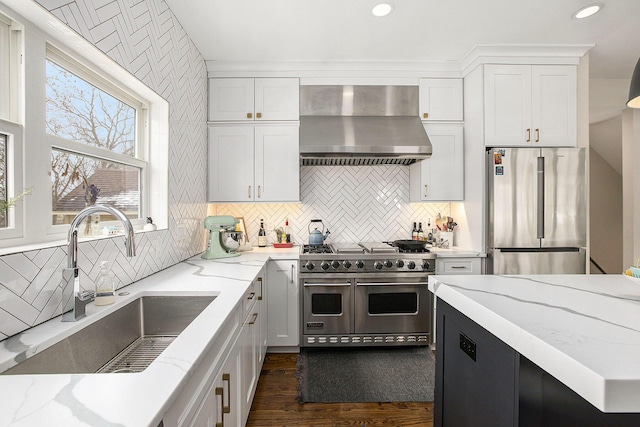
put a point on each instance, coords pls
(127, 340)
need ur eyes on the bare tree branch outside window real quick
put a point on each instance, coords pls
(78, 111)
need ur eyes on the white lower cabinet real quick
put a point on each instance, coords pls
(283, 304)
(221, 390)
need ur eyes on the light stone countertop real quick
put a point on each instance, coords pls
(139, 399)
(582, 329)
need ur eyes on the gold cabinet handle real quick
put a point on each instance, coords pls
(528, 135)
(219, 392)
(425, 115)
(426, 190)
(261, 290)
(227, 409)
(254, 317)
(249, 115)
(537, 135)
(258, 115)
(249, 192)
(259, 192)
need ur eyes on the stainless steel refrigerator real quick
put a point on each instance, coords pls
(537, 210)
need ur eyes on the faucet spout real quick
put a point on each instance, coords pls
(71, 289)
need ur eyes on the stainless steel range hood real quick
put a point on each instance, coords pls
(361, 125)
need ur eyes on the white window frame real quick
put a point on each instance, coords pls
(39, 32)
(14, 143)
(141, 140)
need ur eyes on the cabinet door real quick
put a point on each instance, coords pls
(554, 105)
(250, 343)
(231, 164)
(441, 177)
(507, 105)
(475, 374)
(441, 99)
(283, 303)
(221, 405)
(277, 164)
(262, 317)
(231, 99)
(277, 99)
(209, 414)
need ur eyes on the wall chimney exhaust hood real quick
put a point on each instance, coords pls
(361, 125)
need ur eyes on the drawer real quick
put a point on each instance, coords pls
(458, 266)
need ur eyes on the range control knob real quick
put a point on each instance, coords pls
(359, 263)
(309, 265)
(377, 265)
(335, 264)
(425, 264)
(346, 264)
(324, 265)
(400, 263)
(411, 265)
(388, 263)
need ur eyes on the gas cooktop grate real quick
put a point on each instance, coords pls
(138, 355)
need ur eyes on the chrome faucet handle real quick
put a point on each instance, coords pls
(87, 296)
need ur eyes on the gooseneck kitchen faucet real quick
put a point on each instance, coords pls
(71, 281)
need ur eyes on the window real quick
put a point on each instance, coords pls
(96, 157)
(76, 128)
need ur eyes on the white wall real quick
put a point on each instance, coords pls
(605, 205)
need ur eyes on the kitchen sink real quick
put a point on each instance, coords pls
(127, 340)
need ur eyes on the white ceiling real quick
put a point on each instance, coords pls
(417, 30)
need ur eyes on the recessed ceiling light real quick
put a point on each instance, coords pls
(587, 11)
(382, 9)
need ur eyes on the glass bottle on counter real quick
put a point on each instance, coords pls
(420, 232)
(414, 233)
(262, 235)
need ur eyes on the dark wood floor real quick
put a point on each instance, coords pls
(275, 404)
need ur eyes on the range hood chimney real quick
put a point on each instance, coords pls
(361, 125)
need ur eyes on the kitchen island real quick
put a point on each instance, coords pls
(537, 350)
(130, 399)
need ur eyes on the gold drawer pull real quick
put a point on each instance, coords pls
(259, 115)
(227, 409)
(249, 115)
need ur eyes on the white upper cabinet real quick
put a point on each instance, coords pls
(254, 163)
(441, 100)
(248, 99)
(530, 105)
(441, 177)
(277, 163)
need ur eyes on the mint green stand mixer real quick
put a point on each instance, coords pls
(217, 225)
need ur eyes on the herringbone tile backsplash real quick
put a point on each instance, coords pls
(356, 203)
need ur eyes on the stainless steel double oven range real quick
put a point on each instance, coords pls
(365, 294)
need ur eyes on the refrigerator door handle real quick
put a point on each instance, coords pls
(540, 213)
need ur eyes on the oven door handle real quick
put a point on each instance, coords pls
(327, 284)
(390, 283)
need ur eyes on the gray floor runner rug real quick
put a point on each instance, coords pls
(366, 375)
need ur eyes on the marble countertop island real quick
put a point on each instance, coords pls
(582, 329)
(138, 399)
